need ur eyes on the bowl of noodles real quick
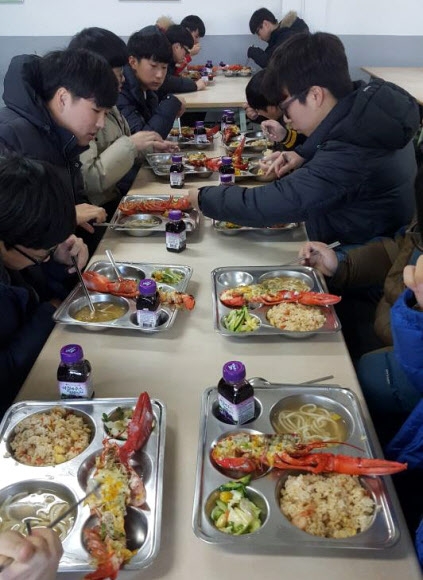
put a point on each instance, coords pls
(314, 417)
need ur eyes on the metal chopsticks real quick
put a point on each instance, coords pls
(298, 260)
(81, 279)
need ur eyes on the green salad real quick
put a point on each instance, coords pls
(168, 276)
(233, 513)
(240, 320)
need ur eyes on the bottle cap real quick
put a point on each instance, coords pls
(226, 179)
(147, 287)
(199, 123)
(176, 158)
(226, 160)
(229, 112)
(71, 353)
(175, 214)
(233, 371)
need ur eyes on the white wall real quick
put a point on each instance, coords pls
(65, 17)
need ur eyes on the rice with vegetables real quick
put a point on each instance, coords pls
(50, 438)
(330, 506)
(296, 317)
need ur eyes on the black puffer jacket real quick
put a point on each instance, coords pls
(27, 128)
(175, 84)
(357, 182)
(288, 26)
(142, 109)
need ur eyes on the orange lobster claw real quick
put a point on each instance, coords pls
(139, 429)
(318, 299)
(96, 282)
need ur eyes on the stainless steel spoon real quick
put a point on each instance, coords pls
(113, 263)
(81, 279)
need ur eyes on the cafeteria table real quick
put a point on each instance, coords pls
(176, 367)
(222, 93)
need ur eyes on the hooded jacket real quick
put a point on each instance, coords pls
(289, 25)
(27, 128)
(142, 109)
(358, 179)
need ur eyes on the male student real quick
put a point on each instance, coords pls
(55, 105)
(357, 181)
(263, 23)
(113, 158)
(181, 41)
(196, 26)
(149, 57)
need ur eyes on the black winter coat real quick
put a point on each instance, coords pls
(27, 128)
(175, 84)
(357, 181)
(278, 36)
(142, 109)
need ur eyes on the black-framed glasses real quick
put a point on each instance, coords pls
(37, 261)
(285, 104)
(415, 236)
(187, 50)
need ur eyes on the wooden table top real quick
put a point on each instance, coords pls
(409, 78)
(223, 92)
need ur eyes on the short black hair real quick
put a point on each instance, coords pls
(151, 46)
(258, 18)
(103, 42)
(85, 74)
(254, 92)
(37, 208)
(193, 23)
(305, 60)
(177, 33)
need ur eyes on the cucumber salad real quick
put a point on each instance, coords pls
(240, 320)
(233, 513)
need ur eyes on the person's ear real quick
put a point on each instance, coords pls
(133, 62)
(61, 98)
(317, 96)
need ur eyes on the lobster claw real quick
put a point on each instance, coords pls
(139, 428)
(317, 299)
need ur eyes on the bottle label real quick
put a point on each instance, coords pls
(176, 241)
(76, 390)
(229, 179)
(200, 139)
(147, 318)
(241, 413)
(176, 179)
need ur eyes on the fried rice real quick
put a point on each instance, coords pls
(331, 506)
(295, 317)
(50, 438)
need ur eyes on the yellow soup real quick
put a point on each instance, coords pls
(104, 311)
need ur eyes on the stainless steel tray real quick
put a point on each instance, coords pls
(232, 276)
(277, 531)
(228, 229)
(187, 143)
(72, 476)
(134, 270)
(249, 146)
(150, 223)
(160, 163)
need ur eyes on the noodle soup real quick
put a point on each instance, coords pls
(313, 422)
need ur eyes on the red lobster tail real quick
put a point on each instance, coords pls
(107, 563)
(139, 429)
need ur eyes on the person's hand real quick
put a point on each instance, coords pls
(273, 130)
(281, 163)
(318, 255)
(145, 139)
(182, 108)
(195, 49)
(413, 279)
(201, 85)
(86, 212)
(252, 51)
(250, 112)
(75, 247)
(165, 147)
(36, 557)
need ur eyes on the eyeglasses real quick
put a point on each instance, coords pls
(37, 261)
(285, 104)
(187, 50)
(415, 236)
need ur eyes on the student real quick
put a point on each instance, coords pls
(181, 41)
(197, 29)
(55, 106)
(357, 181)
(113, 158)
(37, 220)
(35, 557)
(150, 55)
(264, 24)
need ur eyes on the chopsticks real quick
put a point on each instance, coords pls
(85, 289)
(298, 260)
(8, 561)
